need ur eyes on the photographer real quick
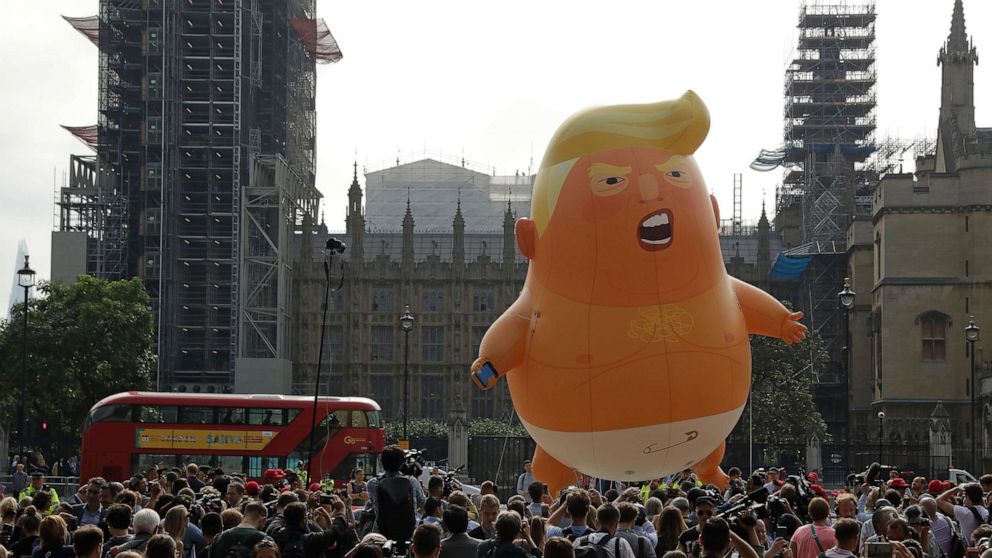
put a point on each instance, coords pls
(395, 497)
(972, 514)
(717, 540)
(239, 541)
(295, 542)
(512, 540)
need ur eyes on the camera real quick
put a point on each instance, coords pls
(325, 499)
(413, 463)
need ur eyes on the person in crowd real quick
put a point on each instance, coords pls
(969, 515)
(577, 506)
(395, 497)
(38, 485)
(87, 542)
(91, 512)
(295, 540)
(18, 480)
(670, 525)
(118, 520)
(689, 540)
(535, 492)
(509, 529)
(235, 494)
(192, 477)
(641, 545)
(558, 547)
(358, 488)
(241, 539)
(608, 518)
(488, 512)
(145, 525)
(29, 525)
(426, 541)
(265, 548)
(458, 544)
(53, 536)
(526, 478)
(847, 532)
(161, 546)
(816, 537)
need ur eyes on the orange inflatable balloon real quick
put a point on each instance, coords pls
(627, 351)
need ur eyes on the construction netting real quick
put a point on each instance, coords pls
(88, 26)
(87, 134)
(318, 40)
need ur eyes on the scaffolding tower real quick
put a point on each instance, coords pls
(189, 94)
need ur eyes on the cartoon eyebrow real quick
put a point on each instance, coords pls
(603, 168)
(671, 163)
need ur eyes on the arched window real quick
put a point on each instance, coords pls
(933, 335)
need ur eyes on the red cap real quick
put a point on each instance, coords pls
(819, 490)
(276, 474)
(251, 488)
(314, 487)
(935, 487)
(898, 482)
(813, 477)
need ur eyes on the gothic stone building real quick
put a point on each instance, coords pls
(439, 238)
(922, 265)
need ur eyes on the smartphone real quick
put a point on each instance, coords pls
(484, 375)
(878, 550)
(325, 499)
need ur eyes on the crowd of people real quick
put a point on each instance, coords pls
(209, 513)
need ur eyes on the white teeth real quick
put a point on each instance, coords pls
(655, 220)
(663, 241)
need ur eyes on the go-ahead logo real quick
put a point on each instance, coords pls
(350, 441)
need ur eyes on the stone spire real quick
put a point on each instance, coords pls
(408, 237)
(763, 259)
(509, 242)
(957, 41)
(958, 58)
(355, 221)
(458, 239)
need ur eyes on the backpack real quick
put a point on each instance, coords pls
(396, 519)
(293, 546)
(238, 550)
(586, 549)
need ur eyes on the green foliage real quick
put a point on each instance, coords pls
(781, 391)
(423, 429)
(86, 341)
(493, 427)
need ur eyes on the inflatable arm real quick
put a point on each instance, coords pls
(766, 316)
(502, 348)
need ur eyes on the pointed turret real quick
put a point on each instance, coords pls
(509, 242)
(458, 238)
(355, 221)
(408, 237)
(763, 259)
(958, 58)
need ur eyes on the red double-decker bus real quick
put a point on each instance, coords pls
(130, 432)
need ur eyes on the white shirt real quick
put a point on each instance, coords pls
(967, 520)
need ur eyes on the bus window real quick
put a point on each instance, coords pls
(266, 417)
(196, 415)
(231, 462)
(145, 461)
(375, 419)
(109, 413)
(337, 419)
(359, 420)
(365, 461)
(230, 415)
(291, 414)
(258, 464)
(158, 413)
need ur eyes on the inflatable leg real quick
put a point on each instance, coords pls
(551, 472)
(709, 470)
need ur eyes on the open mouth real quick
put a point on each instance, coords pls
(654, 232)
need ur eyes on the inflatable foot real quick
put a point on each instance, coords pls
(551, 472)
(709, 470)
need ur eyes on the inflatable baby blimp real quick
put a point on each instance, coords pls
(627, 351)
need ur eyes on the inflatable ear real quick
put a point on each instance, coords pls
(526, 231)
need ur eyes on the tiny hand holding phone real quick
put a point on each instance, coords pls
(485, 377)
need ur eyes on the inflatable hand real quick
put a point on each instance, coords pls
(792, 330)
(484, 376)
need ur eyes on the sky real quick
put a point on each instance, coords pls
(490, 81)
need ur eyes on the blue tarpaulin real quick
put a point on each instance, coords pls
(786, 267)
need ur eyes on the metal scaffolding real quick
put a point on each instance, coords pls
(189, 94)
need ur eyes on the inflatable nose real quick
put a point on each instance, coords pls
(649, 187)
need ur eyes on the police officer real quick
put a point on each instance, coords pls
(37, 485)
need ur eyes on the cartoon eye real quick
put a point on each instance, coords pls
(679, 178)
(606, 185)
(675, 174)
(613, 180)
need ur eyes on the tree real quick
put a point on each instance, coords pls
(781, 391)
(86, 340)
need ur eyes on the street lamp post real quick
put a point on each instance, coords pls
(971, 333)
(406, 324)
(845, 299)
(881, 433)
(25, 279)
